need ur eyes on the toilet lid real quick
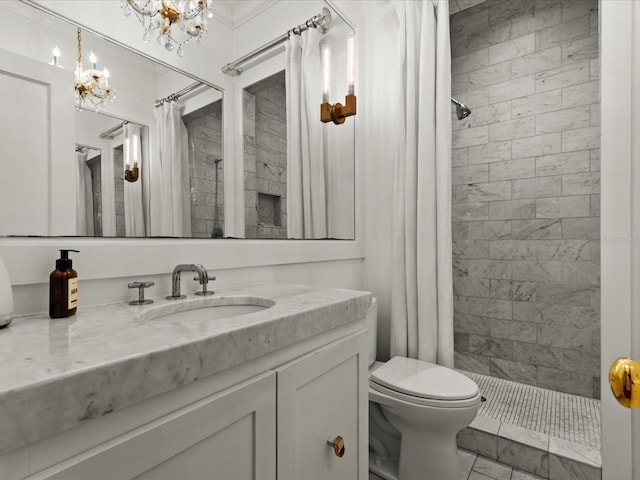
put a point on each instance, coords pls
(418, 378)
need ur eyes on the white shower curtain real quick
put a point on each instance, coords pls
(306, 203)
(422, 292)
(173, 164)
(133, 211)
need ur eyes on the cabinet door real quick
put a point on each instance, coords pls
(230, 436)
(321, 396)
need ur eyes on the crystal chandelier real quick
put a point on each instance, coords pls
(160, 16)
(91, 85)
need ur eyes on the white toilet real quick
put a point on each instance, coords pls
(426, 405)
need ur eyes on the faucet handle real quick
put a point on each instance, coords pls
(204, 287)
(197, 279)
(140, 286)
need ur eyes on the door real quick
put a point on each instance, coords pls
(620, 210)
(37, 167)
(322, 400)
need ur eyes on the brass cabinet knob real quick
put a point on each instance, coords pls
(624, 378)
(338, 446)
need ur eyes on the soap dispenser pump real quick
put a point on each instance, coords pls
(63, 287)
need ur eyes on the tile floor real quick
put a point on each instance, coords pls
(476, 467)
(546, 433)
(561, 415)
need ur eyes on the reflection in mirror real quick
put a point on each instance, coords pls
(299, 172)
(106, 147)
(178, 189)
(162, 121)
(265, 158)
(89, 213)
(204, 129)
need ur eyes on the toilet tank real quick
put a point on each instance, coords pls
(372, 326)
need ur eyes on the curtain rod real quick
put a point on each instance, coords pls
(178, 94)
(111, 132)
(321, 20)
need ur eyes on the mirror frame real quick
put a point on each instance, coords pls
(29, 260)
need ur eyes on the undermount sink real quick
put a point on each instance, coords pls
(208, 308)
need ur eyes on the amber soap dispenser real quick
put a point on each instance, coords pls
(63, 287)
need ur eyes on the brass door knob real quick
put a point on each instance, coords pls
(624, 378)
(338, 446)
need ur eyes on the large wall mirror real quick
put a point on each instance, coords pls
(68, 169)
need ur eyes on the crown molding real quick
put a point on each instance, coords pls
(248, 10)
(222, 14)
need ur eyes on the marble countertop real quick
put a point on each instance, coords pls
(58, 373)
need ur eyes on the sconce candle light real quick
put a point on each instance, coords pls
(337, 113)
(131, 149)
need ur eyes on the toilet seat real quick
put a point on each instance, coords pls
(424, 383)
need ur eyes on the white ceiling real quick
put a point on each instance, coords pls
(233, 5)
(235, 12)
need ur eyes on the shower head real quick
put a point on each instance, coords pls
(462, 111)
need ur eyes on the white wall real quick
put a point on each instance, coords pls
(380, 117)
(105, 266)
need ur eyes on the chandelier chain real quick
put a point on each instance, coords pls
(79, 46)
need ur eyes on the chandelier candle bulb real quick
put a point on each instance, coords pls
(350, 65)
(56, 56)
(326, 72)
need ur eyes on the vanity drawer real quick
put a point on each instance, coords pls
(227, 435)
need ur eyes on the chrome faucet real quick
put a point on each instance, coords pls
(203, 278)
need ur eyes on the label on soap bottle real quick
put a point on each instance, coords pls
(73, 293)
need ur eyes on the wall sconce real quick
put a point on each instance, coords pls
(131, 174)
(337, 113)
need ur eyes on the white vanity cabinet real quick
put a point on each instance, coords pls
(267, 419)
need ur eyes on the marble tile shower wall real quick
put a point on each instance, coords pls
(206, 176)
(265, 148)
(526, 185)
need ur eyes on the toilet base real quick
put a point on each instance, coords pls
(428, 457)
(386, 469)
